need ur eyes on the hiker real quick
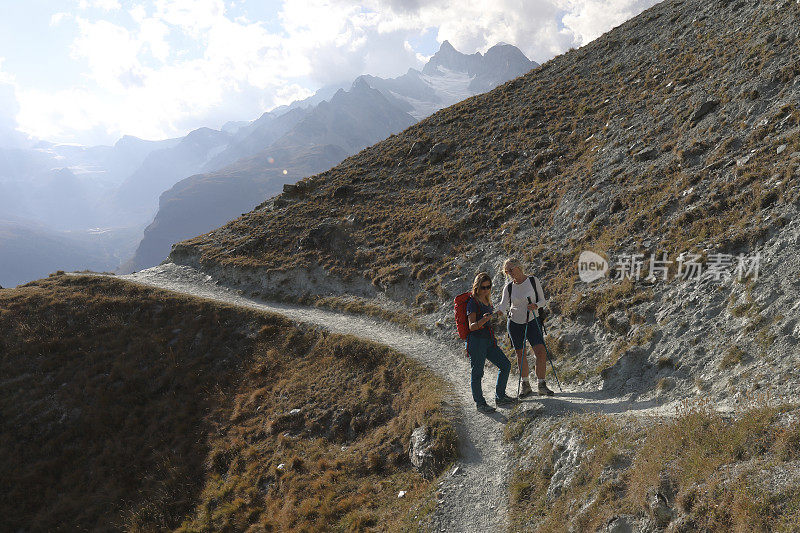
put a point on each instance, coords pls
(481, 344)
(521, 299)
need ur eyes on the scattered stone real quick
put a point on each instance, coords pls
(281, 466)
(781, 148)
(401, 494)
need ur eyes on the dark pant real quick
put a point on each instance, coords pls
(480, 349)
(517, 334)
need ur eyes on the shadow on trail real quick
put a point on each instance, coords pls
(590, 402)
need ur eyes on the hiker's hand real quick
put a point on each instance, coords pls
(532, 307)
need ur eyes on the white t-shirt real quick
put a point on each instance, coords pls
(519, 299)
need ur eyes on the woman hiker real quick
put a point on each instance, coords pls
(481, 345)
(523, 299)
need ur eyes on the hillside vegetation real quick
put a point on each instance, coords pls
(698, 471)
(677, 131)
(125, 407)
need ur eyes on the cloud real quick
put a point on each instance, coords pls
(588, 19)
(105, 5)
(9, 136)
(139, 83)
(161, 67)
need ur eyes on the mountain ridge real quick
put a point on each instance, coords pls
(351, 119)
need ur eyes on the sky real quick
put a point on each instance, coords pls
(90, 71)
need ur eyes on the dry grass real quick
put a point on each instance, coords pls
(413, 221)
(126, 407)
(706, 465)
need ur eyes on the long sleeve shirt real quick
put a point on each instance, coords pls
(518, 303)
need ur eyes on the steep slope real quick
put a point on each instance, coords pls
(319, 139)
(129, 408)
(486, 71)
(206, 201)
(134, 201)
(678, 131)
(254, 137)
(371, 109)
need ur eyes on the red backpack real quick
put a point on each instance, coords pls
(460, 306)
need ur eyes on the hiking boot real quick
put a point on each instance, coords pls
(544, 391)
(505, 400)
(526, 390)
(485, 408)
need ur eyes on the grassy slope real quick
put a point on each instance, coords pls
(717, 473)
(635, 87)
(128, 407)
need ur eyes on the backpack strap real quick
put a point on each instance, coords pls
(535, 288)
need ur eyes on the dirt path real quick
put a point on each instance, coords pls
(475, 498)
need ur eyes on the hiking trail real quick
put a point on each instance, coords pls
(475, 498)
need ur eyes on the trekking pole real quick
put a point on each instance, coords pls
(524, 341)
(547, 350)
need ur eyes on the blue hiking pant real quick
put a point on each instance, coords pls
(481, 348)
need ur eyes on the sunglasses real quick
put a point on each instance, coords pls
(486, 286)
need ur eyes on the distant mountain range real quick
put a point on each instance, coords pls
(210, 176)
(369, 111)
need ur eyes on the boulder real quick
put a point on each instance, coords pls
(293, 421)
(438, 152)
(419, 452)
(646, 154)
(705, 108)
(340, 426)
(659, 508)
(418, 148)
(324, 235)
(508, 157)
(619, 524)
(291, 188)
(343, 191)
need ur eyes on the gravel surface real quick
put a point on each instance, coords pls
(473, 496)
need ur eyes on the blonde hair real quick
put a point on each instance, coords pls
(510, 264)
(480, 278)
